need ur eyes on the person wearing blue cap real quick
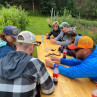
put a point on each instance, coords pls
(7, 39)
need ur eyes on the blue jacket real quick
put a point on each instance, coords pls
(86, 68)
(5, 49)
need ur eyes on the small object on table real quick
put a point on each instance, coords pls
(53, 49)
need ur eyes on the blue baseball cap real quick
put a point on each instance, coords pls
(11, 30)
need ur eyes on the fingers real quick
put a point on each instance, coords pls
(49, 63)
(52, 57)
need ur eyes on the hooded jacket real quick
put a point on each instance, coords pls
(11, 65)
(20, 74)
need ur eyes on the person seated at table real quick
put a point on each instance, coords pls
(21, 75)
(7, 39)
(61, 39)
(55, 31)
(70, 37)
(85, 64)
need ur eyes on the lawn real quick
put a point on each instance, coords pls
(38, 25)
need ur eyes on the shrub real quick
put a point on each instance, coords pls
(13, 15)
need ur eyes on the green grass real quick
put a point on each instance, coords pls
(38, 25)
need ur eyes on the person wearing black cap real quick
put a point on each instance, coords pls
(7, 39)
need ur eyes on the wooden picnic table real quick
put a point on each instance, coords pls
(66, 87)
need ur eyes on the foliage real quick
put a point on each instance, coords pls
(46, 6)
(82, 8)
(13, 15)
(87, 8)
(84, 27)
(66, 17)
(30, 13)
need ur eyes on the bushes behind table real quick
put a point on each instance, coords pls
(84, 27)
(12, 15)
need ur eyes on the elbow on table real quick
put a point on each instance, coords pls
(48, 92)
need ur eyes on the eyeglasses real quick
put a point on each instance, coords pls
(55, 26)
(76, 50)
(38, 43)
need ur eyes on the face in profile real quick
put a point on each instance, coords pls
(79, 53)
(64, 29)
(10, 39)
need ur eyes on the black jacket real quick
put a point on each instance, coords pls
(54, 33)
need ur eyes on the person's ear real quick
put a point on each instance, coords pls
(16, 45)
(5, 35)
(31, 47)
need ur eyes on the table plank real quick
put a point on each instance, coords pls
(67, 87)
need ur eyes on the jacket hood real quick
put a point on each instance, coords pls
(13, 64)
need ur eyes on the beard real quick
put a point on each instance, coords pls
(80, 57)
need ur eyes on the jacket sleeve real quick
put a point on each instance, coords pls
(70, 62)
(46, 83)
(86, 69)
(49, 34)
(58, 37)
(66, 42)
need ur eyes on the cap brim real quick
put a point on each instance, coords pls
(72, 46)
(14, 36)
(60, 26)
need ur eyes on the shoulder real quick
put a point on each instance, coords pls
(6, 48)
(52, 30)
(37, 63)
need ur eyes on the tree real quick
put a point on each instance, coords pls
(46, 6)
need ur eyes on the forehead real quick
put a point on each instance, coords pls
(65, 27)
(55, 25)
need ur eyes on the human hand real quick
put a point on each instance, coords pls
(52, 37)
(53, 58)
(60, 46)
(49, 63)
(52, 40)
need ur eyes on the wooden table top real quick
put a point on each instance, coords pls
(66, 87)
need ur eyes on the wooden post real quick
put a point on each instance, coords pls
(54, 15)
(33, 5)
(51, 18)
